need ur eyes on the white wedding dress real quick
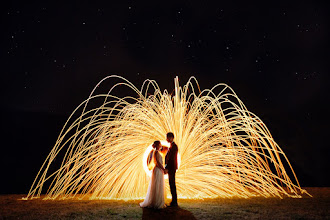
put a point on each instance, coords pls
(156, 190)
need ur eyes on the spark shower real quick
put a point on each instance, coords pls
(226, 150)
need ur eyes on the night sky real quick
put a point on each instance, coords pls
(274, 57)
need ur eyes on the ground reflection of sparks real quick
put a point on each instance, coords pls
(225, 150)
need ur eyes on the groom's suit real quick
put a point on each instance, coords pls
(172, 165)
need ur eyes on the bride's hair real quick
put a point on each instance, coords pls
(155, 144)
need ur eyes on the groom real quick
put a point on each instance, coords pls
(171, 166)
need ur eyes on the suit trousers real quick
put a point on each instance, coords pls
(171, 180)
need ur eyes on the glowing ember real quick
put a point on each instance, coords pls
(225, 150)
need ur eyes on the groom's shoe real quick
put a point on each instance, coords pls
(173, 204)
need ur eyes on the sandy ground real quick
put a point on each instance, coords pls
(11, 207)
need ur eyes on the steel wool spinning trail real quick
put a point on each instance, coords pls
(225, 150)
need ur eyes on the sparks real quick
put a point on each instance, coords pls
(226, 150)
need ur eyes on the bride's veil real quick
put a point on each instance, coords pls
(151, 160)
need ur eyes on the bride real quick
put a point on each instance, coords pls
(156, 191)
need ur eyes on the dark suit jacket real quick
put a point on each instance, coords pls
(172, 158)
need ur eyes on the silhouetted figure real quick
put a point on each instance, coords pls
(155, 197)
(171, 166)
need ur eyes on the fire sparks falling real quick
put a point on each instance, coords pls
(225, 150)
